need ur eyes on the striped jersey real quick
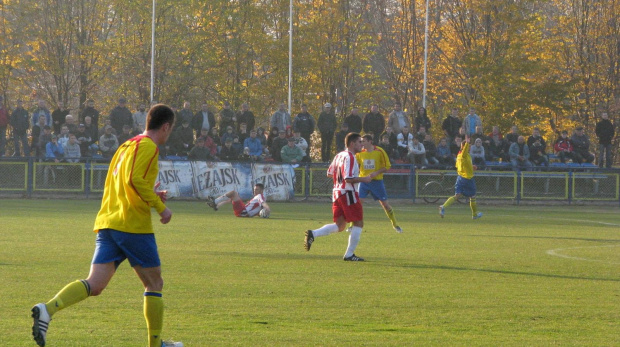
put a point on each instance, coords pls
(129, 193)
(254, 206)
(342, 167)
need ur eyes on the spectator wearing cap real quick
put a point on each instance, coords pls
(253, 143)
(228, 152)
(563, 147)
(397, 119)
(120, 115)
(203, 119)
(277, 144)
(53, 151)
(227, 118)
(305, 124)
(245, 116)
(327, 127)
(291, 153)
(605, 132)
(374, 123)
(108, 142)
(281, 118)
(341, 135)
(581, 146)
(354, 122)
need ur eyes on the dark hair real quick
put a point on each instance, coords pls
(159, 115)
(350, 138)
(260, 185)
(367, 137)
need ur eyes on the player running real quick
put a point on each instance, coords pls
(124, 230)
(346, 206)
(373, 162)
(465, 184)
(251, 209)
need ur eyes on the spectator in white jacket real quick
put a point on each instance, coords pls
(417, 153)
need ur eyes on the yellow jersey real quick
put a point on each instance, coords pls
(464, 166)
(370, 162)
(129, 188)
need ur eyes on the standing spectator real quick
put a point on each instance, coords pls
(520, 154)
(53, 151)
(403, 140)
(228, 152)
(139, 119)
(431, 150)
(354, 121)
(444, 155)
(69, 123)
(422, 120)
(605, 132)
(471, 121)
(291, 153)
(71, 149)
(126, 135)
(497, 148)
(108, 143)
(281, 118)
(36, 132)
(20, 121)
(58, 116)
(340, 136)
(451, 125)
(84, 139)
(256, 149)
(42, 110)
(564, 147)
(374, 123)
(245, 116)
(90, 111)
(120, 116)
(4, 121)
(185, 114)
(581, 147)
(277, 144)
(304, 123)
(397, 119)
(477, 154)
(203, 119)
(417, 153)
(327, 128)
(227, 118)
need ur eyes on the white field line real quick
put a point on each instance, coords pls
(556, 252)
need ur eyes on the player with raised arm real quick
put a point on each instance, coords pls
(124, 230)
(251, 209)
(465, 184)
(346, 205)
(374, 162)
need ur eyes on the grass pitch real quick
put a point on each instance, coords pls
(534, 276)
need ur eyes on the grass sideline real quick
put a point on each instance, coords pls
(518, 276)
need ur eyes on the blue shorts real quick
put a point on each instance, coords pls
(376, 188)
(116, 246)
(465, 186)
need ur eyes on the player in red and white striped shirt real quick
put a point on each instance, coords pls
(250, 209)
(346, 205)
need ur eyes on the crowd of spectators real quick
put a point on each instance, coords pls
(233, 136)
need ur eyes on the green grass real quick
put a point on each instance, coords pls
(234, 281)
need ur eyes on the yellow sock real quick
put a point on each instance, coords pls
(154, 314)
(390, 215)
(449, 202)
(474, 206)
(72, 293)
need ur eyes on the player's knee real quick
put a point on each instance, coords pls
(96, 290)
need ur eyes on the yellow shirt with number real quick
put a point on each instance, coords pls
(464, 166)
(129, 193)
(370, 162)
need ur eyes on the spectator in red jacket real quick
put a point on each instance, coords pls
(564, 147)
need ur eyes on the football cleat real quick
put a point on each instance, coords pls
(41, 323)
(353, 258)
(398, 229)
(308, 240)
(442, 211)
(477, 216)
(211, 203)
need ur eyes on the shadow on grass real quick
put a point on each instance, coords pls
(548, 237)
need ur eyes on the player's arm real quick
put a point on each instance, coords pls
(366, 179)
(266, 207)
(143, 175)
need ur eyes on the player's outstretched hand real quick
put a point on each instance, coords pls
(165, 215)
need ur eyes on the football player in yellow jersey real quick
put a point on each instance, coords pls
(373, 162)
(124, 229)
(465, 184)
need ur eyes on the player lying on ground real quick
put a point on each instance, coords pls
(465, 184)
(251, 209)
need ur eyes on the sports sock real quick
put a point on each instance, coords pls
(474, 206)
(72, 293)
(354, 239)
(154, 314)
(221, 199)
(449, 202)
(325, 230)
(390, 215)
